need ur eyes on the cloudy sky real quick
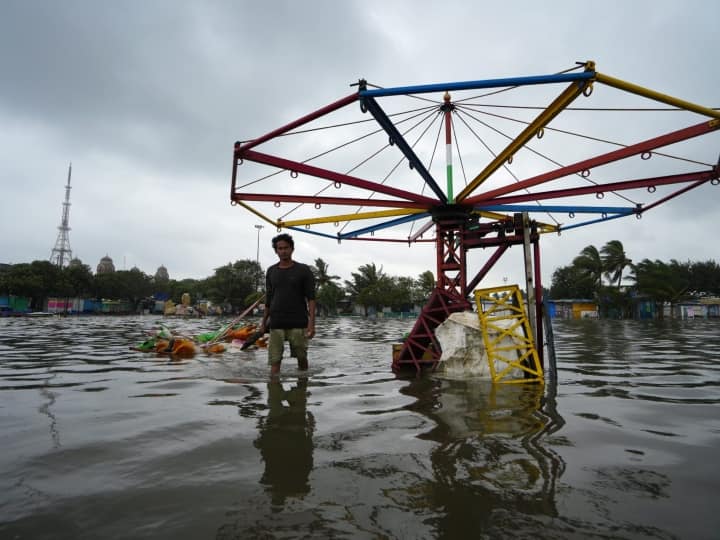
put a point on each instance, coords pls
(146, 99)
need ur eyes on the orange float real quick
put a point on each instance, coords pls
(215, 348)
(241, 333)
(183, 347)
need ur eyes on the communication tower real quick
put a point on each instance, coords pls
(61, 253)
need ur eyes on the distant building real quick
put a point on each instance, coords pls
(162, 274)
(573, 308)
(703, 308)
(105, 266)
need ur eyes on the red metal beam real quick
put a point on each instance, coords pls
(495, 257)
(421, 339)
(700, 176)
(673, 195)
(326, 174)
(586, 165)
(318, 199)
(297, 123)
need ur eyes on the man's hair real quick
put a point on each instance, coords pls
(284, 237)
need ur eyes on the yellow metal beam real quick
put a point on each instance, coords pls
(507, 336)
(543, 227)
(262, 216)
(544, 118)
(547, 228)
(351, 217)
(657, 96)
(492, 215)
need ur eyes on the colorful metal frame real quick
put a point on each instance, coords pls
(474, 217)
(507, 335)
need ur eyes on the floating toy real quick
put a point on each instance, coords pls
(164, 341)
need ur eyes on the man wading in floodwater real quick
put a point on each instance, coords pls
(289, 305)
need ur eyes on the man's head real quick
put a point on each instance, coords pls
(283, 238)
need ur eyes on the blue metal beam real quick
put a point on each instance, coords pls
(397, 139)
(472, 85)
(584, 223)
(309, 231)
(385, 225)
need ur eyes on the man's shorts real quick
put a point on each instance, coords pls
(276, 344)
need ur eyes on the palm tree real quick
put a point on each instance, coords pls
(614, 261)
(369, 286)
(424, 286)
(329, 293)
(322, 277)
(590, 264)
(663, 283)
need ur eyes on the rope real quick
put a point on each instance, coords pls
(532, 150)
(494, 155)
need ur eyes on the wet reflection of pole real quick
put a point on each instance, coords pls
(285, 441)
(45, 409)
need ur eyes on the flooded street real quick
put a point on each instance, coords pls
(99, 441)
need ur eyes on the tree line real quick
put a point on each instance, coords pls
(233, 286)
(607, 276)
(599, 275)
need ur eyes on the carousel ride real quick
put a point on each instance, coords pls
(485, 164)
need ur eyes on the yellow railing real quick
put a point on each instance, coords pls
(507, 335)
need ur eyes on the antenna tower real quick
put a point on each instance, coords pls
(61, 253)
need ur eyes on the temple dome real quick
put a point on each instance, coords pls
(162, 274)
(105, 266)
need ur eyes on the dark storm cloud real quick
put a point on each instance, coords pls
(158, 80)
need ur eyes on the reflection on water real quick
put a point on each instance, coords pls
(99, 441)
(490, 450)
(285, 440)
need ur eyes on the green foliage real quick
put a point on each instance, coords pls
(231, 284)
(237, 285)
(662, 282)
(704, 277)
(329, 297)
(252, 298)
(657, 281)
(614, 261)
(36, 280)
(589, 265)
(572, 282)
(321, 272)
(400, 294)
(130, 285)
(329, 294)
(195, 288)
(423, 287)
(369, 287)
(79, 279)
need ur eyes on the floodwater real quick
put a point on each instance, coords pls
(99, 441)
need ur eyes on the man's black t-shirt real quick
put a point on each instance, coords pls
(287, 292)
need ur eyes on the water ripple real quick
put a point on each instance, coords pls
(100, 441)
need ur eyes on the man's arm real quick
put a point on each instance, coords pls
(266, 316)
(268, 301)
(311, 319)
